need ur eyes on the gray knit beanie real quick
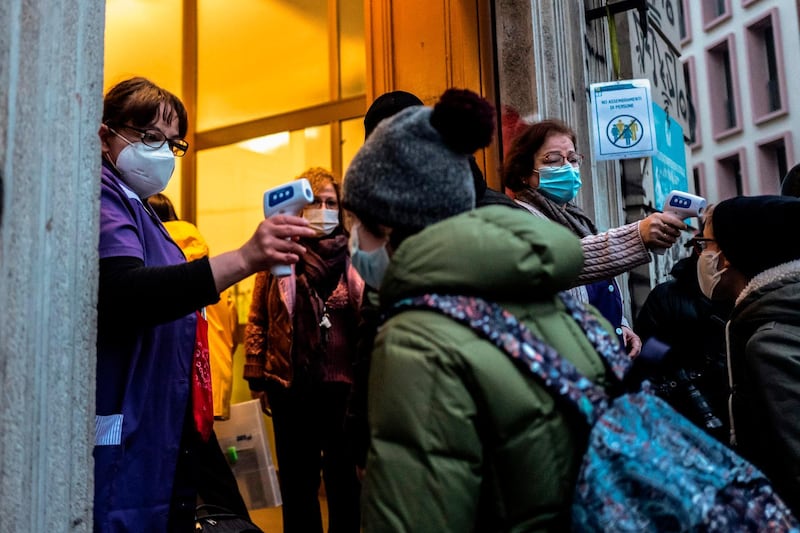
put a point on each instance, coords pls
(414, 170)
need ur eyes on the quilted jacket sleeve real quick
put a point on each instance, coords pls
(461, 440)
(423, 468)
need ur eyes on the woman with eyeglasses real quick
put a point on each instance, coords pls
(542, 169)
(752, 259)
(683, 333)
(153, 396)
(300, 346)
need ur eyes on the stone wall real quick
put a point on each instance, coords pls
(51, 65)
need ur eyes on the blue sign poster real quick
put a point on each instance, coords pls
(623, 119)
(669, 162)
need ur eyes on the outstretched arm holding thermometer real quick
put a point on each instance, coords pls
(289, 199)
(684, 205)
(274, 243)
(660, 231)
(677, 205)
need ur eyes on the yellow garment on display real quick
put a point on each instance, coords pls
(221, 316)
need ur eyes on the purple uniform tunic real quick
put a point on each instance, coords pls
(143, 381)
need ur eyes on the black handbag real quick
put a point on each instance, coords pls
(216, 519)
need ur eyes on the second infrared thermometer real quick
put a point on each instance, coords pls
(684, 205)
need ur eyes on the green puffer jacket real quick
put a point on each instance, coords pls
(461, 439)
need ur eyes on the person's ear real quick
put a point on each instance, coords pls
(104, 133)
(387, 236)
(725, 263)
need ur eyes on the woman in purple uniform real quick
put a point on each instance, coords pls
(153, 420)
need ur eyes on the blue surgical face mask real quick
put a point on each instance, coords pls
(371, 266)
(560, 184)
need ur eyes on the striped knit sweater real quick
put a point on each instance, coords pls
(609, 253)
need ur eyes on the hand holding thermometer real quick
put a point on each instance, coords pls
(287, 199)
(683, 205)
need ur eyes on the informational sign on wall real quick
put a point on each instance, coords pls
(669, 163)
(657, 58)
(623, 119)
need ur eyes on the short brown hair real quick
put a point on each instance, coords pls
(518, 166)
(138, 100)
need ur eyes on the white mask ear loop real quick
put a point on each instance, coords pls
(115, 132)
(144, 169)
(107, 155)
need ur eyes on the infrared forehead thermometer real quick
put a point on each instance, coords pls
(287, 199)
(684, 205)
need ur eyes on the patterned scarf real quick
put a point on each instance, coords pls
(319, 272)
(323, 263)
(568, 215)
(202, 399)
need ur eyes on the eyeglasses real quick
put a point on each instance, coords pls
(328, 203)
(156, 139)
(699, 243)
(556, 158)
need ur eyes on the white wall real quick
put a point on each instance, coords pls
(751, 134)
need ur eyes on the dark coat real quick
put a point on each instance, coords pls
(269, 333)
(764, 345)
(677, 314)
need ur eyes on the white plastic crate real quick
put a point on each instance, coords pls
(243, 439)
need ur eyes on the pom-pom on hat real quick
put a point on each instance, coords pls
(414, 169)
(752, 231)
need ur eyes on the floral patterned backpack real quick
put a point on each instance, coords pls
(646, 468)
